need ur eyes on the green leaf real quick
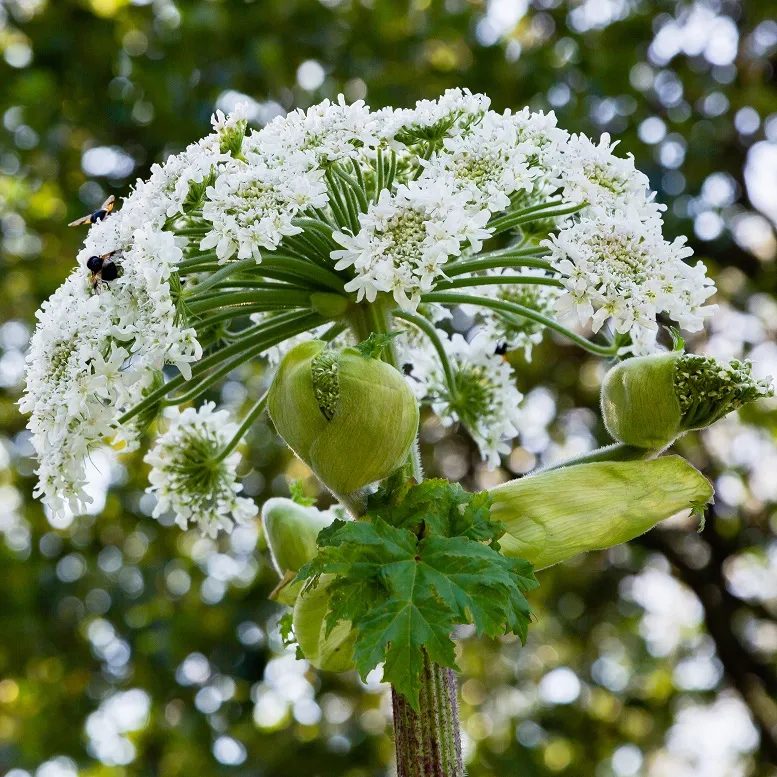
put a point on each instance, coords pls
(404, 595)
(678, 343)
(373, 346)
(395, 633)
(437, 507)
(298, 494)
(286, 629)
(480, 585)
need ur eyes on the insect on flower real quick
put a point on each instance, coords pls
(103, 268)
(102, 212)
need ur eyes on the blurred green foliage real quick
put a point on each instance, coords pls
(92, 92)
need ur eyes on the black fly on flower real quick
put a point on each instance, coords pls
(103, 268)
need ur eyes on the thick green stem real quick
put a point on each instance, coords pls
(377, 317)
(428, 742)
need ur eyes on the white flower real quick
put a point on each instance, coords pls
(615, 266)
(488, 162)
(188, 477)
(406, 238)
(252, 206)
(450, 115)
(237, 119)
(484, 398)
(511, 330)
(327, 132)
(545, 143)
(591, 173)
(89, 353)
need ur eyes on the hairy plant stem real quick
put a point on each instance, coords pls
(428, 742)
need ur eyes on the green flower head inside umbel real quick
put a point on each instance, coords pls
(649, 401)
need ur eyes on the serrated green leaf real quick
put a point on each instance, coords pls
(437, 507)
(297, 493)
(286, 629)
(475, 581)
(404, 595)
(396, 632)
(372, 347)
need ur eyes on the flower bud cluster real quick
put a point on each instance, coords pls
(649, 401)
(708, 389)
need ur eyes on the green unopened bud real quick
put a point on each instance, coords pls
(649, 401)
(351, 418)
(554, 515)
(333, 653)
(291, 530)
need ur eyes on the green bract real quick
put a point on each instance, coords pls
(649, 401)
(351, 418)
(291, 530)
(332, 652)
(554, 515)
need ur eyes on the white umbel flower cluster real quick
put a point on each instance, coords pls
(99, 345)
(454, 112)
(325, 133)
(612, 257)
(189, 478)
(90, 357)
(330, 210)
(252, 206)
(493, 160)
(513, 332)
(483, 396)
(404, 240)
(620, 268)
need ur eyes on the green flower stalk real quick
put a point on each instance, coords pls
(351, 418)
(650, 401)
(555, 515)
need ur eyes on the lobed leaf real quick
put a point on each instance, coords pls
(404, 595)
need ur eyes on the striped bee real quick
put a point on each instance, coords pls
(102, 212)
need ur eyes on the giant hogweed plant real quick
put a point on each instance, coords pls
(334, 244)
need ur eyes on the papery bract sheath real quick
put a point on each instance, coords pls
(353, 430)
(555, 515)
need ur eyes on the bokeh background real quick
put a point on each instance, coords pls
(130, 648)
